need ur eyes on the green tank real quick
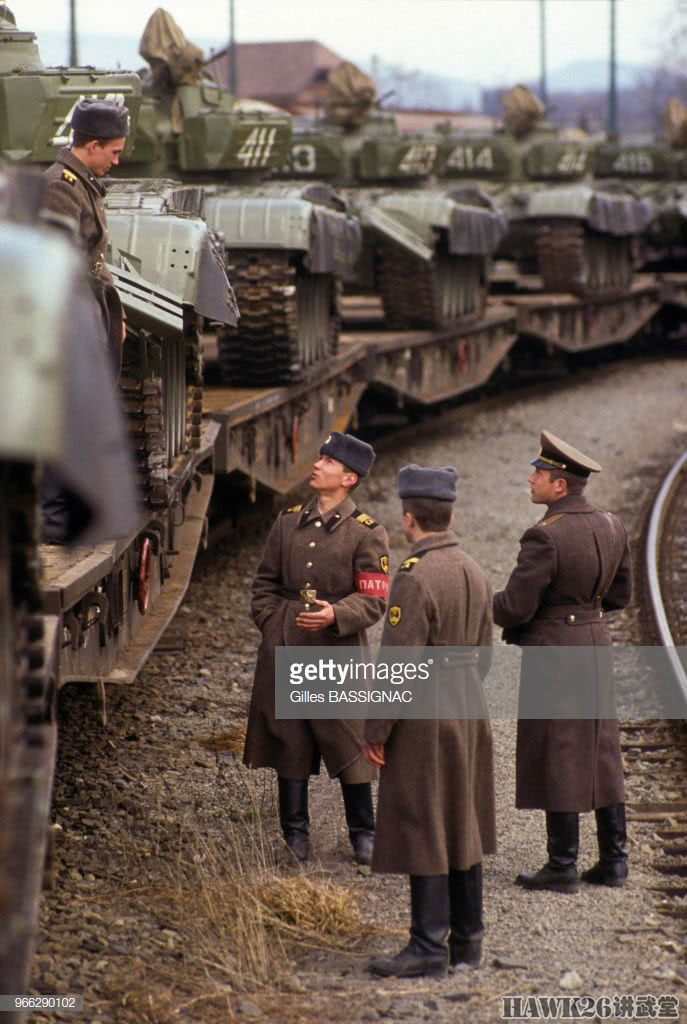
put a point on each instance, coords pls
(287, 248)
(577, 235)
(165, 259)
(426, 249)
(56, 387)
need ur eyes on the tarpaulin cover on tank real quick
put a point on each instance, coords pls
(604, 211)
(336, 244)
(163, 41)
(350, 94)
(475, 231)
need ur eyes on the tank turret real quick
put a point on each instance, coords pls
(286, 249)
(576, 235)
(162, 357)
(654, 170)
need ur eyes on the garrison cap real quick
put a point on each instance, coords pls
(427, 482)
(355, 454)
(101, 119)
(556, 454)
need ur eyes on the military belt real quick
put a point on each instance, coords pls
(295, 595)
(573, 614)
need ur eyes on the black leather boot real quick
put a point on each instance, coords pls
(611, 831)
(293, 817)
(360, 819)
(467, 929)
(426, 953)
(559, 874)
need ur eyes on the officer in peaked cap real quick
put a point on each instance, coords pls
(74, 189)
(556, 454)
(573, 567)
(435, 813)
(329, 548)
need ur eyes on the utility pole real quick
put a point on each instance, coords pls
(73, 49)
(231, 52)
(612, 127)
(542, 52)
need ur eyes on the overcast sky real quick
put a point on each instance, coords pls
(488, 40)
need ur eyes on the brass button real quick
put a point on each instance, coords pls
(571, 620)
(318, 523)
(308, 565)
(311, 544)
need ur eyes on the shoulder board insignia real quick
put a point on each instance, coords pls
(69, 176)
(551, 519)
(362, 517)
(294, 508)
(411, 562)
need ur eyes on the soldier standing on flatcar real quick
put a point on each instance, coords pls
(573, 566)
(435, 812)
(99, 133)
(328, 546)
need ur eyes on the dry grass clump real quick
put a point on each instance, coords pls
(233, 740)
(311, 911)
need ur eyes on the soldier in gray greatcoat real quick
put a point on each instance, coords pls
(435, 812)
(330, 546)
(573, 567)
(99, 132)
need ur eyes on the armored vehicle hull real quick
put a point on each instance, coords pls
(577, 237)
(425, 251)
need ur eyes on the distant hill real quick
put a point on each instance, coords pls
(585, 75)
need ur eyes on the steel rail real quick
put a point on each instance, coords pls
(654, 536)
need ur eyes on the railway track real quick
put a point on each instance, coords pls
(656, 751)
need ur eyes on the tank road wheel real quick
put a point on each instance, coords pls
(289, 321)
(448, 290)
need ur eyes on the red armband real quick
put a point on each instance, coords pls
(372, 584)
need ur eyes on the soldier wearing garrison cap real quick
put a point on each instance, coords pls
(435, 812)
(573, 567)
(332, 548)
(74, 189)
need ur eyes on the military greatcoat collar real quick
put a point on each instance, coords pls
(66, 157)
(334, 517)
(571, 503)
(445, 539)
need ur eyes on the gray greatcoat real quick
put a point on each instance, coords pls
(436, 792)
(345, 557)
(76, 192)
(573, 565)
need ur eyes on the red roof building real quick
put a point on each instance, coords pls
(292, 75)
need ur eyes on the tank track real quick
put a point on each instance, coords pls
(143, 409)
(289, 321)
(573, 258)
(448, 290)
(27, 704)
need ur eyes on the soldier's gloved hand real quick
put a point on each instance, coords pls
(313, 621)
(374, 753)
